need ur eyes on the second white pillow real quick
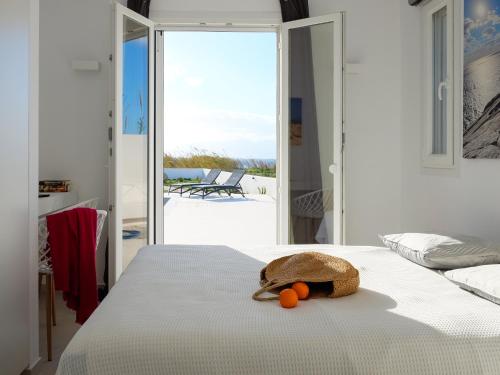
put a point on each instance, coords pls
(482, 280)
(443, 252)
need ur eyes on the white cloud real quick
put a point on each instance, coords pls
(218, 131)
(176, 72)
(173, 71)
(481, 35)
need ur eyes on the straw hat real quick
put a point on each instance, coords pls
(326, 275)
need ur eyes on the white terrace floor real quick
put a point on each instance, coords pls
(231, 221)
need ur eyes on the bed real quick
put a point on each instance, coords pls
(188, 310)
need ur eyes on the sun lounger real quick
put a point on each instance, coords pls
(231, 186)
(186, 186)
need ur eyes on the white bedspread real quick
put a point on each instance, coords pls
(188, 310)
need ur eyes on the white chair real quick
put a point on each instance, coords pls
(45, 263)
(313, 205)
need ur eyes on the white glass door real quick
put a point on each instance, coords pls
(311, 205)
(132, 139)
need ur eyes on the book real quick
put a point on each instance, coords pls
(54, 186)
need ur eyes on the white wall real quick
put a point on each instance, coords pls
(15, 186)
(254, 11)
(373, 151)
(173, 173)
(465, 200)
(73, 104)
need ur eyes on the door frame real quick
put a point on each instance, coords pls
(159, 134)
(115, 194)
(160, 28)
(339, 137)
(156, 122)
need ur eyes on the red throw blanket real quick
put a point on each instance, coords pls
(72, 241)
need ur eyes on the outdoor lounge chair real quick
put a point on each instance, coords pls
(231, 186)
(184, 187)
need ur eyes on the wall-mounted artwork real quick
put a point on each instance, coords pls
(296, 121)
(481, 79)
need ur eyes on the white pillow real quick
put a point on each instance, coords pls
(442, 252)
(482, 280)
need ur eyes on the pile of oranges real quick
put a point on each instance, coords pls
(290, 297)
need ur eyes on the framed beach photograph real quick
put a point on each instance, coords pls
(481, 110)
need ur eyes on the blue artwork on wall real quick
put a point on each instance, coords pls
(481, 111)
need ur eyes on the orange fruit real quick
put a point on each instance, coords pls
(302, 289)
(288, 298)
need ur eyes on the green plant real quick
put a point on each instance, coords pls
(263, 172)
(262, 168)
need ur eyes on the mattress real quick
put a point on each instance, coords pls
(188, 310)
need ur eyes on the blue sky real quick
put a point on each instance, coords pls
(481, 27)
(135, 86)
(220, 93)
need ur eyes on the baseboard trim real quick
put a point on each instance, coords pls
(31, 368)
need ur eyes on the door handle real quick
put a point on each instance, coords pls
(442, 85)
(333, 168)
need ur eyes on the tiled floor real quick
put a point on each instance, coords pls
(231, 221)
(131, 245)
(61, 334)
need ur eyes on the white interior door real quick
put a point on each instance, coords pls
(132, 139)
(311, 139)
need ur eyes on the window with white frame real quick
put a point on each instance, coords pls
(438, 141)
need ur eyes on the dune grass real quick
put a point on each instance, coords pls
(199, 159)
(204, 159)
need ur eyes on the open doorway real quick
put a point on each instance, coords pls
(220, 127)
(220, 95)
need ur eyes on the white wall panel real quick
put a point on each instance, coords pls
(14, 186)
(179, 11)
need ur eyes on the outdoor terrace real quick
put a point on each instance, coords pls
(220, 220)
